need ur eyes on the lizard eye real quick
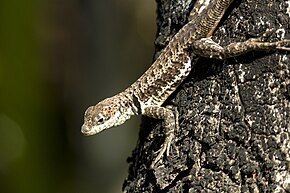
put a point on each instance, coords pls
(99, 119)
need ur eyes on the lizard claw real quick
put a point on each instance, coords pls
(164, 148)
(283, 45)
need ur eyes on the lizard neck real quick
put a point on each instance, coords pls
(132, 101)
(126, 110)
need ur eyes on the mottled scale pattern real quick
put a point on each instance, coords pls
(174, 63)
(150, 91)
(159, 81)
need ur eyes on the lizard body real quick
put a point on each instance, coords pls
(147, 95)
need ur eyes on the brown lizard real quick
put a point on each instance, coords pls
(147, 95)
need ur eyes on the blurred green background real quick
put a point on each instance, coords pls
(57, 57)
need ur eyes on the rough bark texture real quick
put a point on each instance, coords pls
(234, 114)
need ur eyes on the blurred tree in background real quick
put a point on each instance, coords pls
(57, 57)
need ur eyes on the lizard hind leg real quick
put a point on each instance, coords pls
(170, 124)
(206, 47)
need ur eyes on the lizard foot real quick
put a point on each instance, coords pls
(169, 135)
(164, 148)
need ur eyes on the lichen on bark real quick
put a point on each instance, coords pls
(234, 115)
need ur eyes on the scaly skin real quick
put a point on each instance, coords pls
(149, 92)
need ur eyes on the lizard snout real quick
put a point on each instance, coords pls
(85, 130)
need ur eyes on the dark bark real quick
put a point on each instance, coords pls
(234, 114)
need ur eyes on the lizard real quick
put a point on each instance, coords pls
(146, 96)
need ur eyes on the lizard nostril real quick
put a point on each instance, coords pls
(85, 129)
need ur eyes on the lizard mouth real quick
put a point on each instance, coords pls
(87, 131)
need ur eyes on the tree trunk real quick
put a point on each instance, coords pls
(234, 115)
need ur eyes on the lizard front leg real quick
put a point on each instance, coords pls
(206, 47)
(170, 124)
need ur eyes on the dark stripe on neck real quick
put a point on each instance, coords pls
(137, 104)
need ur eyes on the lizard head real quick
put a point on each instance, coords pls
(104, 115)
